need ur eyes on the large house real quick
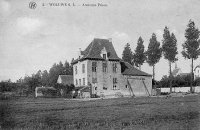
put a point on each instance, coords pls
(100, 69)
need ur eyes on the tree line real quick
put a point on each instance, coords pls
(46, 78)
(168, 49)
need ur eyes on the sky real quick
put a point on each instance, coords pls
(35, 39)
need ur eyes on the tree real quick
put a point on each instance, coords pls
(68, 69)
(127, 54)
(139, 56)
(169, 48)
(54, 72)
(191, 49)
(154, 53)
(45, 78)
(53, 75)
(177, 81)
(60, 68)
(32, 82)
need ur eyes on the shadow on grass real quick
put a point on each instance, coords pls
(6, 119)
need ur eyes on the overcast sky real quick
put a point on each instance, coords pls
(33, 39)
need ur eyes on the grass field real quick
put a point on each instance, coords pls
(123, 113)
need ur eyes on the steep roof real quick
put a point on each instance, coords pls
(93, 51)
(128, 69)
(66, 79)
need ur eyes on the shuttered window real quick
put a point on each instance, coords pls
(94, 66)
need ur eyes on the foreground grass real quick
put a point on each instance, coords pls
(124, 113)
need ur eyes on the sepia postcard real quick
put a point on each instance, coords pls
(100, 64)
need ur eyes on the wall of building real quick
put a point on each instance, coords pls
(138, 87)
(180, 89)
(80, 74)
(59, 80)
(104, 79)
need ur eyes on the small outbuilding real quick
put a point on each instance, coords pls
(65, 79)
(138, 82)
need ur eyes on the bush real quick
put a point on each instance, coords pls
(47, 91)
(178, 81)
(197, 82)
(64, 90)
(6, 96)
(94, 96)
(118, 94)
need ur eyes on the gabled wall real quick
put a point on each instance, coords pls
(80, 74)
(59, 80)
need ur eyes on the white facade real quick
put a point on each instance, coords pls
(197, 72)
(80, 73)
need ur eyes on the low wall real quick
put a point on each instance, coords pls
(180, 89)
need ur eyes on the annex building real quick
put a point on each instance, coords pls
(99, 71)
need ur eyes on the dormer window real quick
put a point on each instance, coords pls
(104, 53)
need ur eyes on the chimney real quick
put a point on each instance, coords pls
(110, 39)
(79, 53)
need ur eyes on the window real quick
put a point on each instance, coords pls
(114, 80)
(114, 67)
(83, 68)
(83, 81)
(94, 80)
(104, 88)
(126, 86)
(94, 66)
(80, 82)
(114, 87)
(114, 83)
(76, 82)
(104, 56)
(104, 67)
(76, 71)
